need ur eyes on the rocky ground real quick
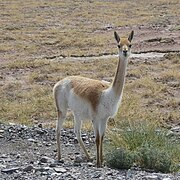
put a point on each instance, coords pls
(29, 153)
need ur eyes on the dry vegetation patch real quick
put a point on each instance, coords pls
(34, 32)
(44, 28)
(151, 91)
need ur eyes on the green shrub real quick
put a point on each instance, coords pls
(120, 159)
(144, 144)
(155, 159)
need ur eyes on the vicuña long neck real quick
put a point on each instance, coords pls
(119, 79)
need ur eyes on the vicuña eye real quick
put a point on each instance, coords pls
(119, 46)
(130, 46)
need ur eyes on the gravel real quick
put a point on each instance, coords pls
(28, 153)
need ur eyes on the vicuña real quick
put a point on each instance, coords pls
(92, 99)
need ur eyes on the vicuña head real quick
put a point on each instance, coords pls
(124, 44)
(92, 99)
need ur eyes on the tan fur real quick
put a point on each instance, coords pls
(88, 89)
(124, 41)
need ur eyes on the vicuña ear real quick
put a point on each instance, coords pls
(116, 37)
(131, 36)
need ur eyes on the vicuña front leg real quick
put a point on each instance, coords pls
(99, 135)
(101, 149)
(97, 140)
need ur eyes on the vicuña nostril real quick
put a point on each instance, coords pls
(124, 52)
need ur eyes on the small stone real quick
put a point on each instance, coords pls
(90, 164)
(151, 177)
(40, 125)
(84, 135)
(59, 161)
(109, 173)
(40, 131)
(60, 170)
(12, 124)
(129, 174)
(42, 169)
(48, 144)
(28, 168)
(96, 175)
(176, 129)
(170, 133)
(1, 131)
(53, 165)
(13, 153)
(2, 166)
(8, 159)
(75, 141)
(55, 174)
(166, 179)
(10, 170)
(76, 164)
(46, 159)
(101, 178)
(69, 144)
(32, 140)
(119, 178)
(44, 173)
(87, 142)
(74, 176)
(4, 156)
(56, 163)
(77, 153)
(18, 156)
(78, 159)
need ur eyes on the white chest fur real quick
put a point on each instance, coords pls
(109, 103)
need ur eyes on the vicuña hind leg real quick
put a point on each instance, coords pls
(77, 129)
(61, 117)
